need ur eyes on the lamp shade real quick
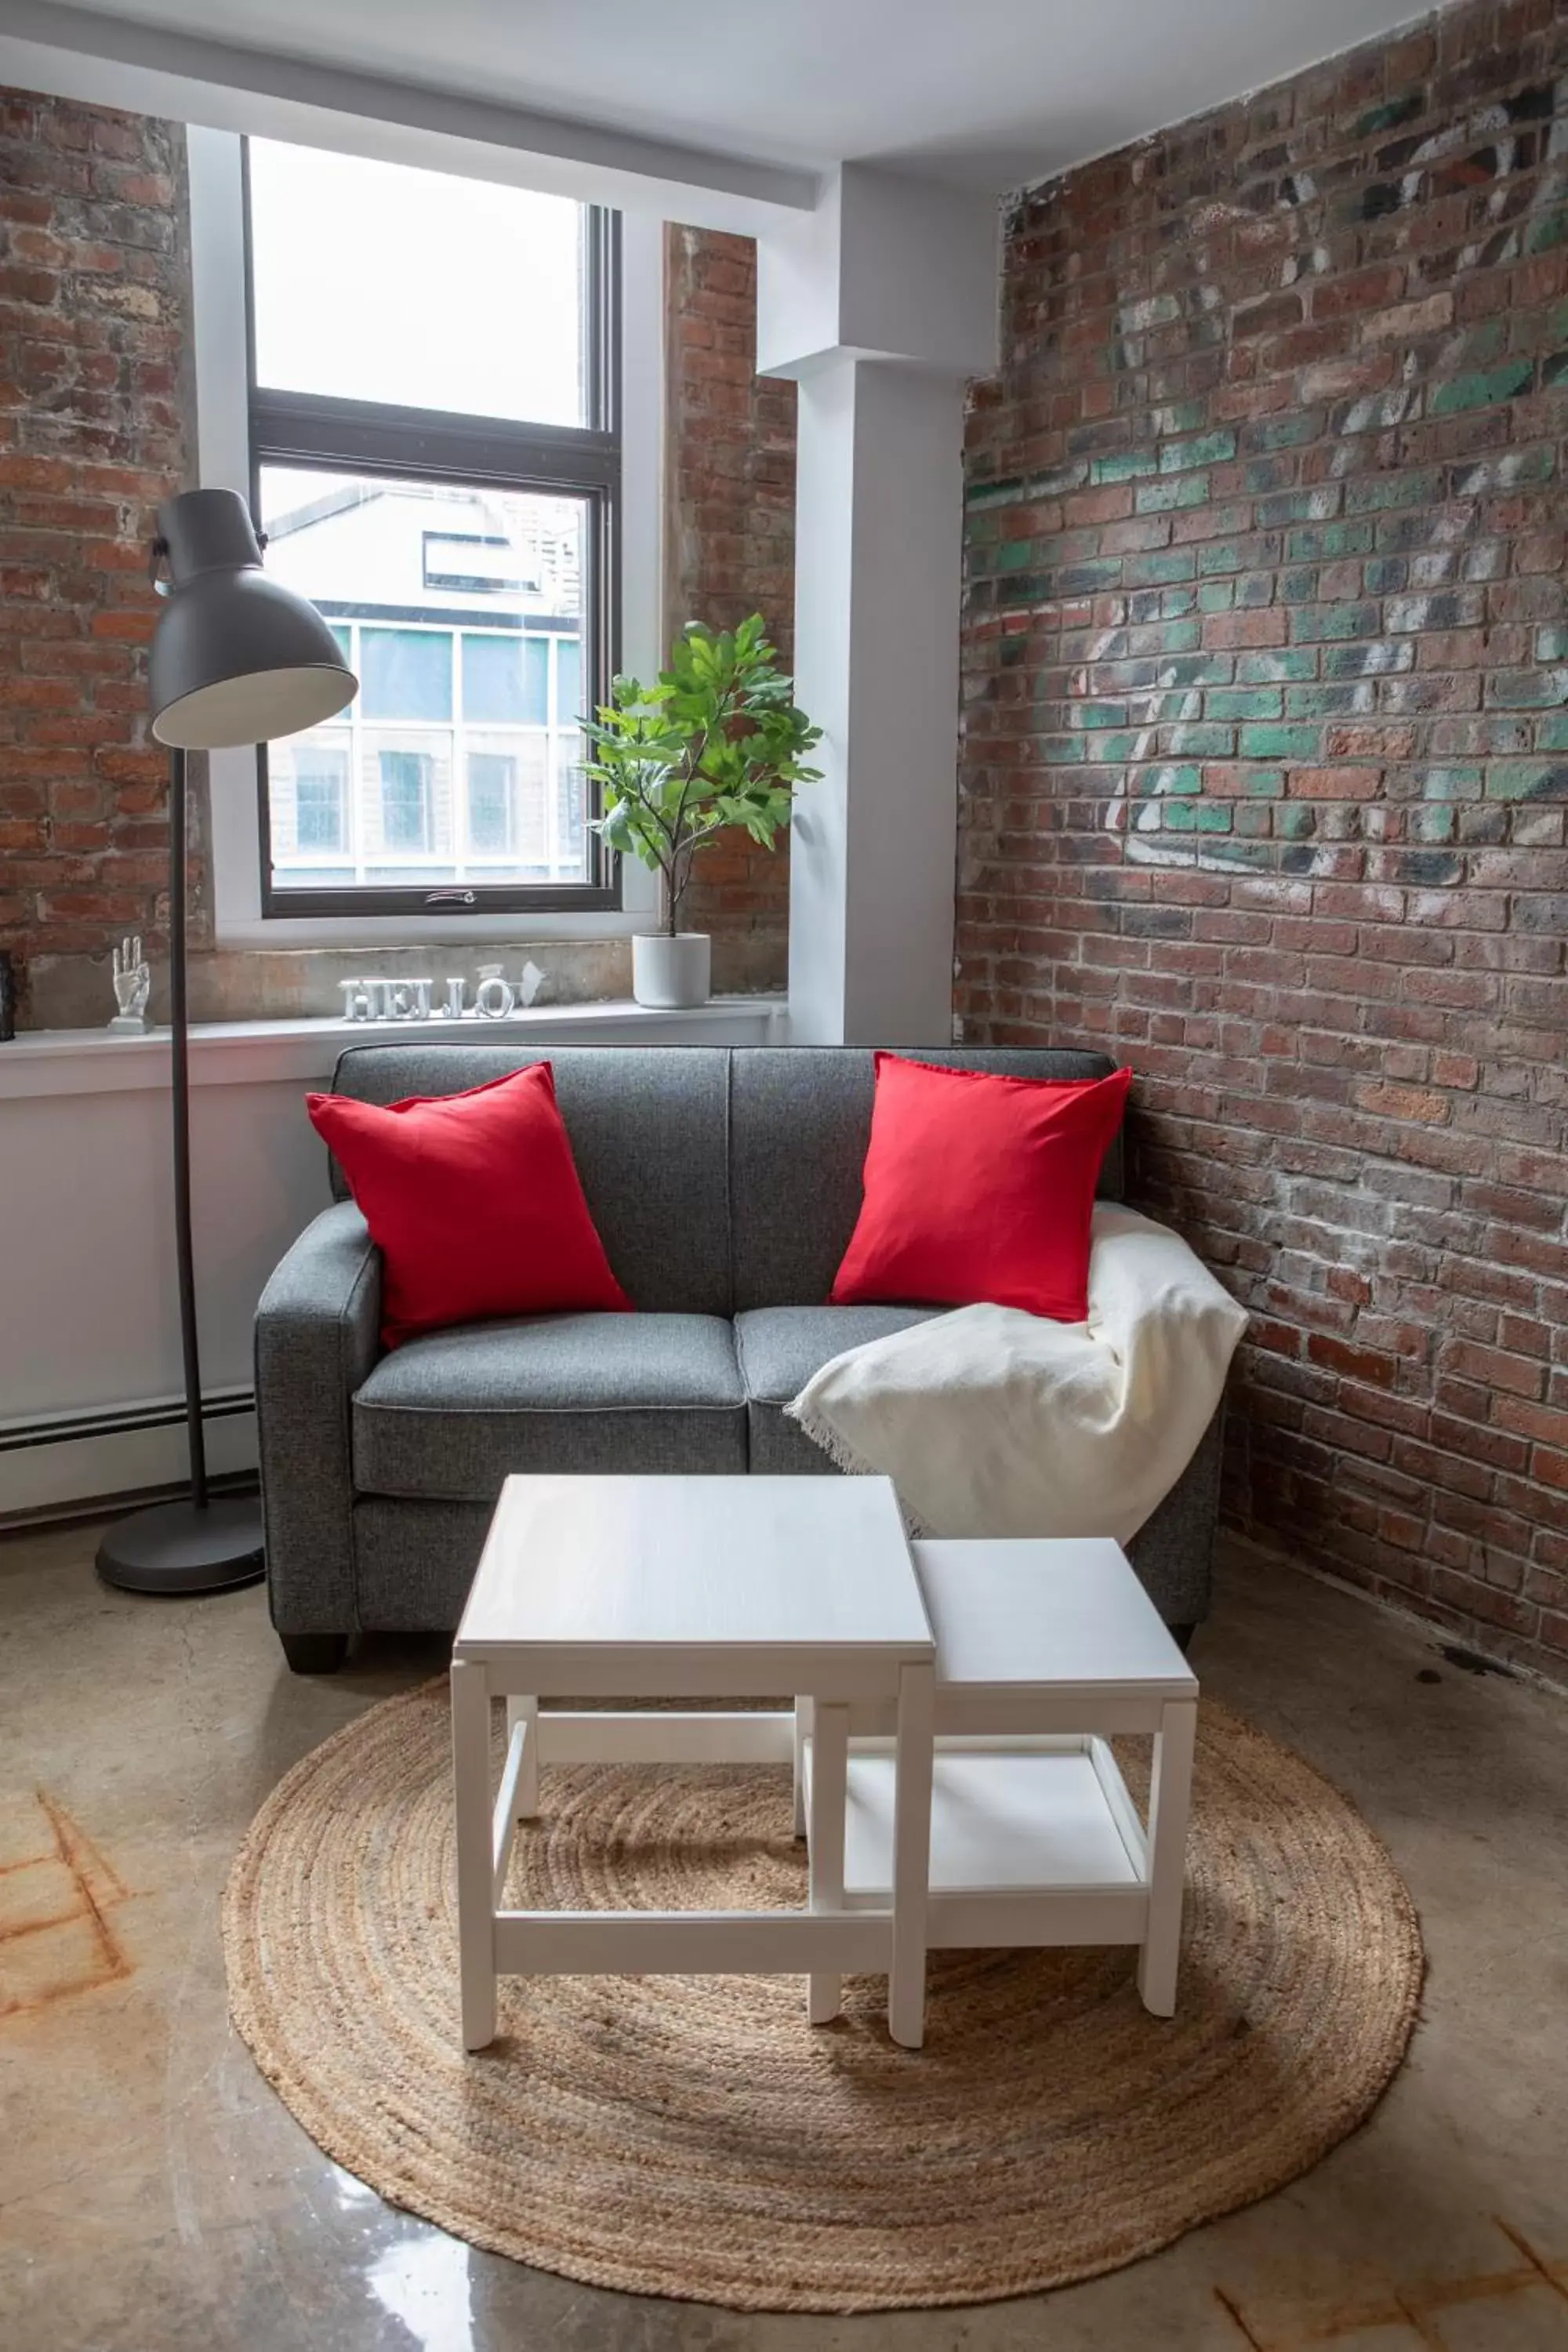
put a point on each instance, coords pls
(236, 658)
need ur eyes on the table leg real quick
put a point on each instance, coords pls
(471, 1798)
(802, 1733)
(1170, 1800)
(829, 1766)
(525, 1711)
(911, 1854)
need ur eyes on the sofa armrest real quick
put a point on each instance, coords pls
(317, 1333)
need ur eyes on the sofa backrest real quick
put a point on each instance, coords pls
(649, 1129)
(800, 1120)
(719, 1180)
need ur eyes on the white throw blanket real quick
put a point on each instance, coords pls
(993, 1423)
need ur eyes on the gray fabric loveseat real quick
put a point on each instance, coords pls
(725, 1185)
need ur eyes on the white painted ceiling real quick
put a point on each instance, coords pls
(989, 93)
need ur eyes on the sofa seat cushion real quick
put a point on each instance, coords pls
(450, 1414)
(780, 1348)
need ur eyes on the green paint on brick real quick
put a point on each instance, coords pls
(1059, 751)
(1214, 816)
(1296, 821)
(1027, 588)
(1315, 505)
(1319, 541)
(1385, 117)
(1527, 689)
(1083, 579)
(1480, 391)
(1552, 734)
(1203, 669)
(1180, 780)
(1179, 816)
(981, 495)
(1178, 490)
(1552, 642)
(1169, 636)
(1261, 474)
(1203, 449)
(1244, 702)
(1422, 489)
(1262, 783)
(1473, 350)
(1159, 566)
(1071, 476)
(1222, 555)
(1122, 465)
(1316, 623)
(1115, 748)
(1549, 229)
(1266, 742)
(1314, 701)
(1099, 714)
(1199, 742)
(1372, 660)
(1527, 779)
(1385, 575)
(1436, 823)
(1216, 595)
(1179, 416)
(1269, 664)
(1285, 432)
(1016, 556)
(1461, 784)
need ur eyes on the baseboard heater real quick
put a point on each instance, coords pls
(55, 1468)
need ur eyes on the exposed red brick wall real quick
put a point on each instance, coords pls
(1266, 766)
(94, 301)
(729, 547)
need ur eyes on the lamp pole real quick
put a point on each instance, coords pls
(237, 659)
(180, 1091)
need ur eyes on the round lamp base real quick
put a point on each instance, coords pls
(186, 1547)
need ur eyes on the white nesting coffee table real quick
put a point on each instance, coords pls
(1045, 1649)
(659, 1587)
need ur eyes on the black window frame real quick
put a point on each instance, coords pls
(376, 438)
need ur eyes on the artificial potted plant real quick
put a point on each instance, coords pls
(716, 741)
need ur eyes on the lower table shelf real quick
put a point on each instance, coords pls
(1034, 1845)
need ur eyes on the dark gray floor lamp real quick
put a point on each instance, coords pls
(237, 659)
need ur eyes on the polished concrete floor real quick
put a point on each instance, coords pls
(154, 2196)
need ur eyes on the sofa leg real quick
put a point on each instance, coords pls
(314, 1654)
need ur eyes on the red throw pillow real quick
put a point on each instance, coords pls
(474, 1202)
(980, 1188)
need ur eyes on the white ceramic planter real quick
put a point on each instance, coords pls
(671, 971)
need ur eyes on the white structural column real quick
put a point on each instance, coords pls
(881, 305)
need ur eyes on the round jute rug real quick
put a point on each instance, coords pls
(695, 2136)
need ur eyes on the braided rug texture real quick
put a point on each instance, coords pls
(695, 2136)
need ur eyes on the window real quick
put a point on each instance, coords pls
(436, 447)
(492, 780)
(322, 796)
(405, 799)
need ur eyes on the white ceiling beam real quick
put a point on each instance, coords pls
(102, 60)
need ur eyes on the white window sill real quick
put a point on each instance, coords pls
(388, 932)
(248, 1053)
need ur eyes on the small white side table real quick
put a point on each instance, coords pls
(1044, 1649)
(674, 1588)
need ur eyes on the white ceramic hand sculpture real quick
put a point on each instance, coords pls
(132, 985)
